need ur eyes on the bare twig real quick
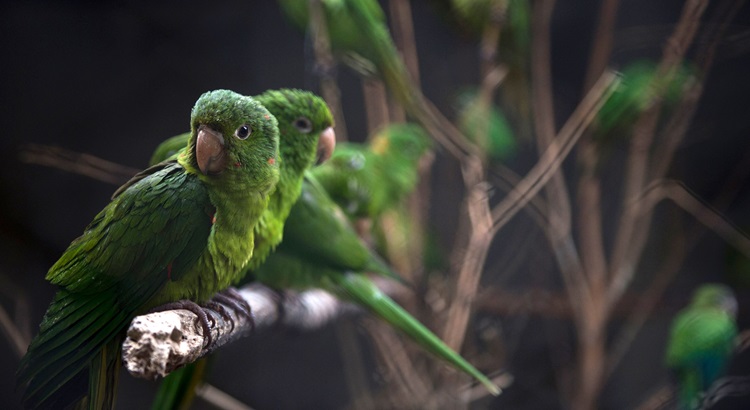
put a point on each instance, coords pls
(77, 163)
(399, 365)
(354, 367)
(219, 399)
(633, 226)
(476, 200)
(325, 65)
(602, 42)
(702, 212)
(376, 104)
(15, 337)
(680, 121)
(403, 36)
(551, 159)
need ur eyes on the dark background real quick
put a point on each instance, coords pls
(115, 78)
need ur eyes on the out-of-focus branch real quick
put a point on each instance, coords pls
(589, 184)
(680, 121)
(634, 224)
(14, 335)
(219, 399)
(325, 65)
(158, 343)
(476, 202)
(602, 42)
(77, 163)
(702, 212)
(551, 159)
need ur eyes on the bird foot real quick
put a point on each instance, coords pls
(232, 298)
(198, 310)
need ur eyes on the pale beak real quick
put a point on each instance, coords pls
(209, 151)
(326, 144)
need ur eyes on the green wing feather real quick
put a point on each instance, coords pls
(109, 274)
(319, 231)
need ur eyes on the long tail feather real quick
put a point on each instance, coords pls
(360, 289)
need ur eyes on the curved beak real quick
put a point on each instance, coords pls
(326, 144)
(209, 151)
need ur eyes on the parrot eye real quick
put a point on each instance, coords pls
(303, 125)
(243, 132)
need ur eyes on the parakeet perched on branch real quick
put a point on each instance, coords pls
(321, 250)
(306, 135)
(183, 229)
(367, 179)
(701, 341)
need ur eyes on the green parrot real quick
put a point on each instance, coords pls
(358, 27)
(701, 340)
(180, 230)
(305, 135)
(635, 94)
(513, 51)
(489, 130)
(367, 179)
(322, 250)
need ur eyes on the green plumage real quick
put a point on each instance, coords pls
(701, 341)
(636, 92)
(513, 51)
(367, 179)
(486, 127)
(302, 118)
(358, 27)
(173, 232)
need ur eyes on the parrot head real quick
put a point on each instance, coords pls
(233, 135)
(716, 295)
(305, 127)
(404, 142)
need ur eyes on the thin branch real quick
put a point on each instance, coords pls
(702, 212)
(376, 104)
(633, 227)
(14, 335)
(403, 36)
(325, 66)
(589, 184)
(551, 159)
(602, 44)
(476, 199)
(679, 122)
(672, 262)
(77, 163)
(219, 399)
(399, 365)
(353, 366)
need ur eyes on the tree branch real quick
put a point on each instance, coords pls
(77, 163)
(159, 343)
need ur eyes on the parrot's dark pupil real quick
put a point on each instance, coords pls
(243, 132)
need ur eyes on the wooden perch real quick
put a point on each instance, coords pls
(159, 343)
